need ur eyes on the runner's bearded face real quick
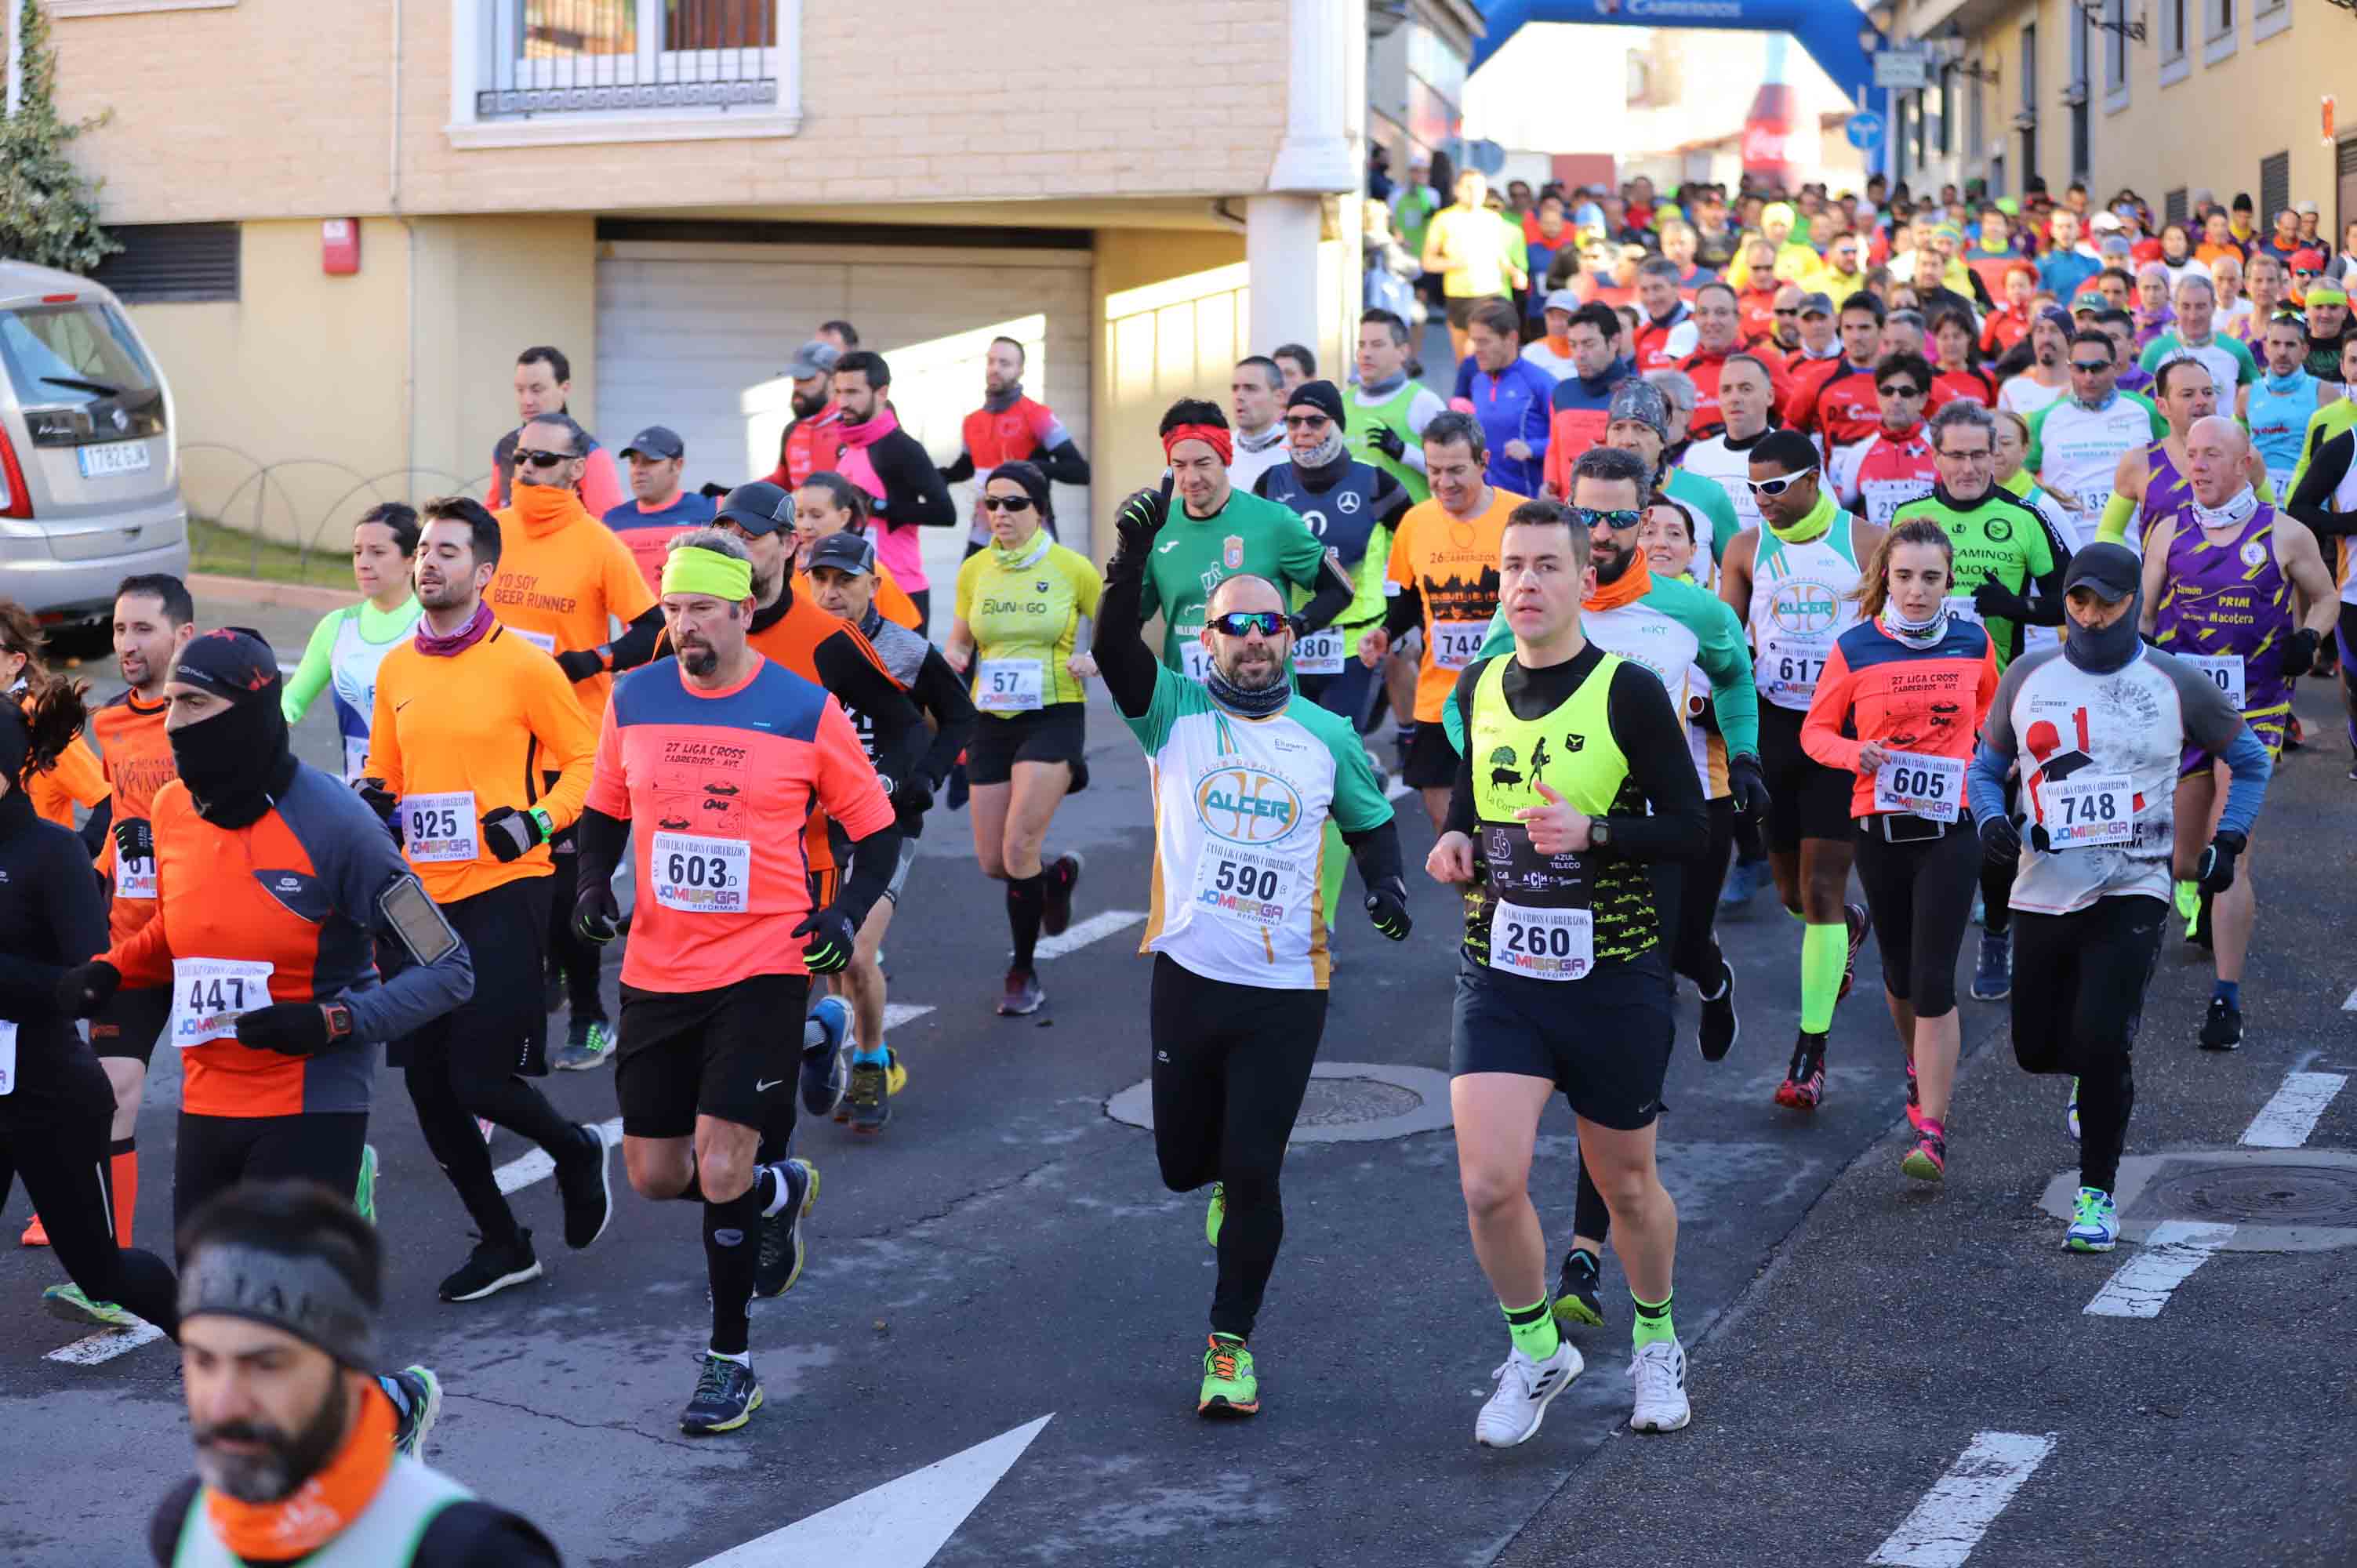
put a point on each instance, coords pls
(266, 1409)
(1002, 367)
(1199, 476)
(707, 630)
(1254, 660)
(450, 580)
(1611, 549)
(842, 594)
(146, 641)
(857, 400)
(810, 396)
(767, 551)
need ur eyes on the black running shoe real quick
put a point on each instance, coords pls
(2222, 1029)
(492, 1267)
(780, 1262)
(586, 1183)
(726, 1395)
(1576, 1298)
(1063, 876)
(1860, 922)
(1720, 1028)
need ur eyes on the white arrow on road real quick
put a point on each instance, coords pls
(900, 1524)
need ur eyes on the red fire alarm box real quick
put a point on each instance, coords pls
(340, 246)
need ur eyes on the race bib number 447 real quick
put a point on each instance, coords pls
(209, 994)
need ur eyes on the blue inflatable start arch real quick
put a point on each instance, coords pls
(1826, 28)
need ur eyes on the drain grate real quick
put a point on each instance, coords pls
(1339, 1101)
(2242, 1194)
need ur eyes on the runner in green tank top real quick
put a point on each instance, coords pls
(1389, 410)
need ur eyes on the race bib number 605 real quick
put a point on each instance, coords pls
(1929, 787)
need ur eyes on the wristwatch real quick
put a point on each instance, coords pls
(547, 828)
(1599, 833)
(340, 1019)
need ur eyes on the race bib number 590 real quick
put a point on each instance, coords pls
(1237, 884)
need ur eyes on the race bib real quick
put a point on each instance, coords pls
(1543, 944)
(1455, 643)
(7, 1058)
(2088, 810)
(699, 875)
(1960, 607)
(438, 828)
(1195, 660)
(540, 639)
(1009, 686)
(2223, 671)
(1885, 497)
(208, 994)
(355, 759)
(1236, 884)
(134, 879)
(1794, 664)
(1320, 653)
(1929, 787)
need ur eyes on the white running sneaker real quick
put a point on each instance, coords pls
(1658, 1370)
(1525, 1388)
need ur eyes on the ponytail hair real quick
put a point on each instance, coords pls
(848, 496)
(54, 713)
(1873, 590)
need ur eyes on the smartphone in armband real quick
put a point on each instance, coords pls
(418, 921)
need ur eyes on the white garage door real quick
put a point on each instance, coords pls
(692, 335)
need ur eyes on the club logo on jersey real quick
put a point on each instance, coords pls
(1347, 500)
(1231, 552)
(1247, 805)
(1803, 607)
(2254, 554)
(1997, 529)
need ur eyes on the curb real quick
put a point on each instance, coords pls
(279, 596)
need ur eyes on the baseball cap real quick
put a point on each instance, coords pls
(2112, 571)
(656, 441)
(815, 358)
(845, 552)
(2307, 261)
(2105, 223)
(2089, 302)
(2054, 315)
(760, 507)
(2305, 209)
(2118, 245)
(1816, 305)
(1563, 300)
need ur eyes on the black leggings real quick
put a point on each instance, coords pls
(576, 959)
(1231, 1064)
(1922, 896)
(2079, 981)
(58, 1143)
(213, 1153)
(1997, 878)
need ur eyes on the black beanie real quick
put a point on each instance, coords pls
(1323, 396)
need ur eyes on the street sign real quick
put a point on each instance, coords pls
(1903, 69)
(1864, 130)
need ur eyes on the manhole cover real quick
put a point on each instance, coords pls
(1338, 1102)
(2251, 1194)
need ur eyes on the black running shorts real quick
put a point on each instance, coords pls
(731, 1053)
(131, 1023)
(1604, 1040)
(1807, 800)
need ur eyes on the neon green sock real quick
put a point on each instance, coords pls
(1651, 1321)
(1823, 951)
(1534, 1329)
(1337, 860)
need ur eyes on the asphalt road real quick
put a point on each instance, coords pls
(1006, 1253)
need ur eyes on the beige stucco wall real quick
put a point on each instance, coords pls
(281, 108)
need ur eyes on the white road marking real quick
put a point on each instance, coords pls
(521, 1173)
(1961, 1506)
(898, 1013)
(2140, 1287)
(2349, 1003)
(1399, 786)
(2284, 1122)
(107, 1345)
(900, 1524)
(1096, 928)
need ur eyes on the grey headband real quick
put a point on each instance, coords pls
(304, 1296)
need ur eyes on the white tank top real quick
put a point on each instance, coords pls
(1730, 471)
(386, 1535)
(1800, 603)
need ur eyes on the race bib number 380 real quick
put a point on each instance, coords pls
(1543, 944)
(1320, 653)
(699, 875)
(2088, 810)
(209, 994)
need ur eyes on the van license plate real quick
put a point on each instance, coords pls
(114, 457)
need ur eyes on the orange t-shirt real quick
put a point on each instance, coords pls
(1453, 563)
(561, 573)
(136, 758)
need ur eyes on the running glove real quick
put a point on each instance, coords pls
(86, 987)
(1748, 785)
(510, 834)
(828, 952)
(290, 1029)
(2215, 871)
(2000, 837)
(581, 663)
(1387, 908)
(1994, 601)
(913, 796)
(596, 914)
(2300, 657)
(379, 799)
(1140, 517)
(133, 840)
(1390, 443)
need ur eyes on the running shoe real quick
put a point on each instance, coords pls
(955, 793)
(588, 1045)
(1229, 1386)
(2072, 1115)
(824, 1072)
(726, 1395)
(2222, 1029)
(416, 1396)
(2197, 924)
(1063, 876)
(586, 1183)
(492, 1267)
(36, 1234)
(1803, 1088)
(781, 1261)
(1658, 1370)
(1993, 973)
(2094, 1222)
(2186, 896)
(1860, 922)
(68, 1301)
(870, 1101)
(2294, 735)
(1575, 1297)
(1022, 994)
(1217, 1214)
(364, 1190)
(1928, 1160)
(1720, 1028)
(1525, 1388)
(1915, 1099)
(1743, 880)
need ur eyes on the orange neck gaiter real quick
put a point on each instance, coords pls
(1560, 347)
(324, 1505)
(1630, 586)
(543, 509)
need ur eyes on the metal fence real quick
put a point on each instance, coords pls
(565, 56)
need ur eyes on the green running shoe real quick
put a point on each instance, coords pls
(68, 1301)
(364, 1190)
(1229, 1386)
(2189, 904)
(1575, 1297)
(2094, 1222)
(588, 1044)
(1213, 1216)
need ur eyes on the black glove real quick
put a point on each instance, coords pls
(134, 839)
(1748, 786)
(581, 663)
(379, 799)
(2039, 840)
(828, 952)
(2000, 840)
(1387, 908)
(1140, 517)
(86, 987)
(2215, 870)
(1390, 443)
(510, 834)
(290, 1029)
(1994, 601)
(2300, 657)
(713, 492)
(913, 796)
(596, 915)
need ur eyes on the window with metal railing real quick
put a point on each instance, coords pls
(565, 56)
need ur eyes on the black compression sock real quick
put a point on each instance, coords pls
(731, 1251)
(1027, 897)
